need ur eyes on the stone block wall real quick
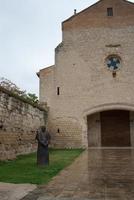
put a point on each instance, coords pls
(66, 133)
(19, 121)
(86, 85)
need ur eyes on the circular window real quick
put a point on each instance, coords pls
(113, 62)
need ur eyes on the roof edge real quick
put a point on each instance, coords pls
(38, 73)
(81, 11)
(89, 8)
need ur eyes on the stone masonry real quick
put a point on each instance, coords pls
(18, 124)
(80, 84)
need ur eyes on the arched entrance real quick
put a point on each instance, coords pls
(109, 129)
(115, 128)
(111, 126)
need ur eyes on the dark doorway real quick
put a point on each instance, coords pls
(115, 129)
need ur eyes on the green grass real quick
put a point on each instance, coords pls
(25, 170)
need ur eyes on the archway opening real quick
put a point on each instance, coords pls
(115, 128)
(111, 128)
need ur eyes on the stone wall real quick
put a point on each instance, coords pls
(18, 124)
(86, 84)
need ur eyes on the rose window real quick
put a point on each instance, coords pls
(113, 63)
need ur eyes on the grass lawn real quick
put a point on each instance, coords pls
(25, 170)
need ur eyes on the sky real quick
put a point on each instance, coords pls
(29, 32)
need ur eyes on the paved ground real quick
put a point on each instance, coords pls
(15, 192)
(103, 174)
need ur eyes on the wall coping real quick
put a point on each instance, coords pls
(22, 99)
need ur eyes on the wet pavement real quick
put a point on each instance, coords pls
(98, 174)
(15, 191)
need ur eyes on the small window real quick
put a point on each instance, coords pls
(109, 11)
(58, 130)
(58, 90)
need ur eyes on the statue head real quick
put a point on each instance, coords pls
(43, 128)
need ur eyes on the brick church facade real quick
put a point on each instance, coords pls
(90, 89)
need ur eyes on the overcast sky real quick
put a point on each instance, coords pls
(29, 32)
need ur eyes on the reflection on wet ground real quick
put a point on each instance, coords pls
(98, 174)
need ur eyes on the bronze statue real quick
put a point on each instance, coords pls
(43, 137)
